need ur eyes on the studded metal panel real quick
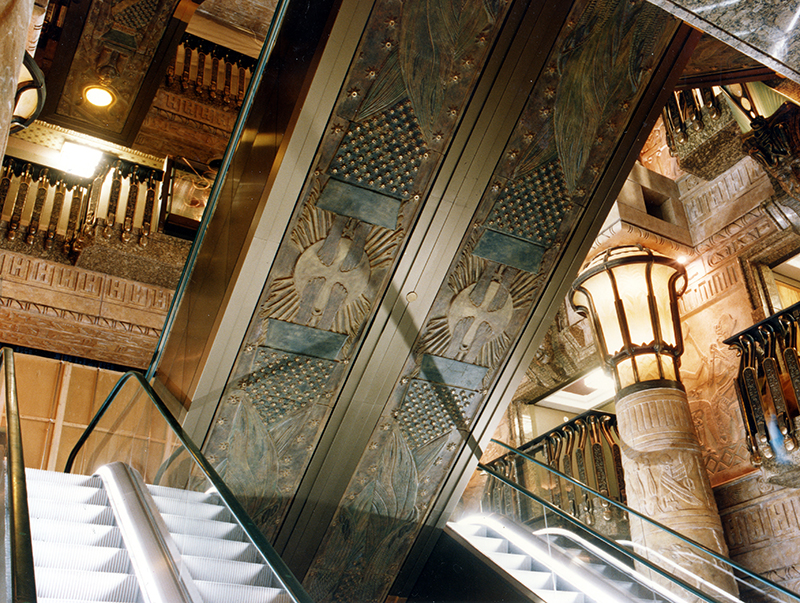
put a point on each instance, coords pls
(138, 15)
(430, 410)
(382, 153)
(532, 207)
(285, 382)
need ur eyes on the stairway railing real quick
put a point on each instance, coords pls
(23, 584)
(155, 453)
(587, 448)
(750, 585)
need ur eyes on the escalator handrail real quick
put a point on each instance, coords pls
(23, 582)
(238, 127)
(588, 546)
(282, 571)
(580, 525)
(655, 523)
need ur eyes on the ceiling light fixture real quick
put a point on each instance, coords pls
(98, 96)
(80, 160)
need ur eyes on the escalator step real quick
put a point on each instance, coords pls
(198, 510)
(89, 535)
(51, 600)
(560, 596)
(533, 580)
(232, 550)
(489, 545)
(77, 557)
(74, 494)
(67, 479)
(188, 495)
(70, 512)
(202, 527)
(214, 592)
(230, 572)
(89, 586)
(510, 561)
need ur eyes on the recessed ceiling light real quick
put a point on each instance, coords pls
(98, 96)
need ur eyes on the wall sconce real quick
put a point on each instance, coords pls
(630, 295)
(30, 95)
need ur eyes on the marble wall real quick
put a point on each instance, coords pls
(766, 30)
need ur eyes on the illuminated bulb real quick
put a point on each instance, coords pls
(98, 96)
(598, 379)
(682, 259)
(78, 159)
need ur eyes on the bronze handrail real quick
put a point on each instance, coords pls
(282, 571)
(23, 582)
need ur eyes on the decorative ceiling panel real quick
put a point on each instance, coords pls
(116, 48)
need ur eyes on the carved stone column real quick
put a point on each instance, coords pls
(16, 15)
(666, 480)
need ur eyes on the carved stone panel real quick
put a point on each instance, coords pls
(69, 310)
(762, 528)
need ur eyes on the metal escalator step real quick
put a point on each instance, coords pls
(75, 494)
(202, 527)
(67, 479)
(89, 535)
(214, 592)
(510, 561)
(78, 557)
(70, 512)
(230, 572)
(232, 550)
(51, 600)
(199, 510)
(533, 580)
(470, 530)
(188, 495)
(559, 596)
(89, 586)
(489, 545)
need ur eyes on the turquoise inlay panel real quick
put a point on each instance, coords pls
(299, 339)
(451, 372)
(510, 251)
(360, 203)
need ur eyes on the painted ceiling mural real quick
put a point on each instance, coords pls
(399, 108)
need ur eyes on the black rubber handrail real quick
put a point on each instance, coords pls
(23, 582)
(692, 543)
(282, 571)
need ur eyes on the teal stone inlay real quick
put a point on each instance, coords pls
(356, 202)
(508, 250)
(300, 339)
(533, 207)
(451, 372)
(430, 410)
(284, 383)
